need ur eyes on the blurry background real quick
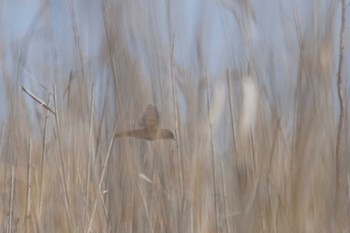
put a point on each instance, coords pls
(249, 88)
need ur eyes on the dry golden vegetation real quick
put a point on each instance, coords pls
(256, 140)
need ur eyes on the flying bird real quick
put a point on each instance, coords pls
(150, 129)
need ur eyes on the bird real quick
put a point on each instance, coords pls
(149, 127)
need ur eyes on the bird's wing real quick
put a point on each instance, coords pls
(150, 118)
(139, 133)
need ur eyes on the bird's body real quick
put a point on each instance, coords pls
(150, 129)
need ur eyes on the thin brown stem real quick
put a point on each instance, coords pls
(340, 173)
(339, 182)
(213, 158)
(29, 180)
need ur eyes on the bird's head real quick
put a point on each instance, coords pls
(167, 134)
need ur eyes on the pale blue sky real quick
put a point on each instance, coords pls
(224, 45)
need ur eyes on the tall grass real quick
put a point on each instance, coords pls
(256, 143)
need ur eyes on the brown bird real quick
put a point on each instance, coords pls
(150, 129)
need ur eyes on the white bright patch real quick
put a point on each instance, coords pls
(249, 105)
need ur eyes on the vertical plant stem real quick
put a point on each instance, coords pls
(213, 157)
(106, 23)
(179, 158)
(29, 180)
(104, 168)
(63, 169)
(9, 229)
(90, 159)
(146, 208)
(43, 158)
(339, 183)
(224, 196)
(231, 113)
